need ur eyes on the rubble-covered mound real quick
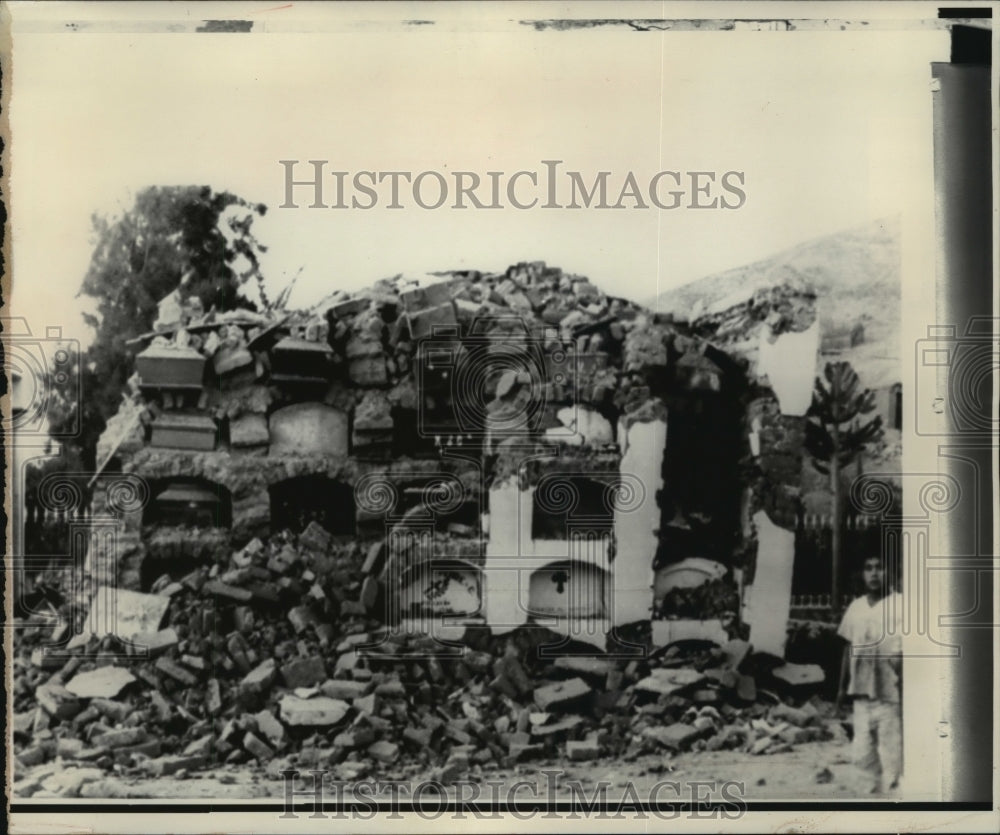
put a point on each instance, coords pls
(266, 657)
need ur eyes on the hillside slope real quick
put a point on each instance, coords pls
(856, 276)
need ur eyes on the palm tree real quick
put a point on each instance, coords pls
(836, 433)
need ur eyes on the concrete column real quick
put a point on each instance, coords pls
(637, 522)
(768, 600)
(502, 581)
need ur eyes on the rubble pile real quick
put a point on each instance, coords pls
(269, 657)
(419, 434)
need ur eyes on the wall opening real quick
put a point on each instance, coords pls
(296, 502)
(408, 441)
(564, 503)
(189, 503)
(702, 485)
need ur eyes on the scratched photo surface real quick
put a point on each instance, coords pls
(415, 407)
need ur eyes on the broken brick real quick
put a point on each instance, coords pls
(384, 751)
(195, 662)
(315, 537)
(301, 617)
(256, 746)
(799, 674)
(510, 668)
(120, 738)
(521, 752)
(303, 672)
(175, 671)
(561, 694)
(373, 561)
(420, 737)
(581, 750)
(163, 708)
(676, 737)
(391, 690)
(665, 680)
(370, 591)
(259, 679)
(104, 683)
(200, 747)
(366, 704)
(563, 725)
(320, 710)
(164, 766)
(220, 589)
(155, 642)
(57, 701)
(213, 696)
(343, 689)
(583, 665)
(268, 725)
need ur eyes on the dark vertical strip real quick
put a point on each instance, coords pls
(963, 184)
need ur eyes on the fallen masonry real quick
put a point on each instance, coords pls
(278, 696)
(320, 575)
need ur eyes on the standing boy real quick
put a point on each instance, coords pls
(871, 674)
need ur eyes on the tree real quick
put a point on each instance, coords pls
(172, 232)
(836, 433)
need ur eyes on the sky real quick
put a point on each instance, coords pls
(828, 128)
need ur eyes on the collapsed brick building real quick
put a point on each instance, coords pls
(486, 451)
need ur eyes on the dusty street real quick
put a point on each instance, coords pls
(797, 773)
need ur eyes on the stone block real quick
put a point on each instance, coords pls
(592, 666)
(303, 672)
(374, 559)
(120, 738)
(315, 537)
(664, 681)
(318, 711)
(103, 683)
(115, 711)
(256, 746)
(561, 726)
(676, 737)
(309, 429)
(220, 589)
(176, 672)
(581, 750)
(366, 704)
(520, 752)
(799, 674)
(270, 727)
(561, 695)
(57, 701)
(259, 679)
(178, 431)
(249, 431)
(420, 737)
(368, 371)
(345, 690)
(384, 751)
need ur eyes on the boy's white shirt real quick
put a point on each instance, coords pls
(876, 635)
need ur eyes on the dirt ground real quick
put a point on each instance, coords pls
(810, 771)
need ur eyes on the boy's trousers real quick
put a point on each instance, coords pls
(878, 742)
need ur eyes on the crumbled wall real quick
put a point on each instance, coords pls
(368, 391)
